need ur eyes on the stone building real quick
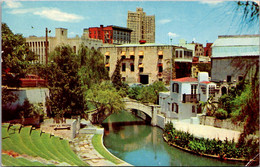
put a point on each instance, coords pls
(37, 44)
(234, 56)
(110, 34)
(143, 26)
(145, 63)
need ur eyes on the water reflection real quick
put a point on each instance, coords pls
(142, 145)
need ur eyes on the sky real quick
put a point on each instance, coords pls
(199, 21)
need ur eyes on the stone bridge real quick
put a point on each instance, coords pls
(150, 110)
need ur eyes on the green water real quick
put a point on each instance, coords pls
(143, 145)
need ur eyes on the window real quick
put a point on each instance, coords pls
(240, 78)
(108, 68)
(74, 49)
(175, 87)
(123, 57)
(176, 53)
(193, 109)
(194, 89)
(123, 79)
(141, 57)
(141, 69)
(160, 56)
(211, 90)
(160, 79)
(228, 78)
(132, 57)
(160, 69)
(123, 67)
(132, 66)
(175, 107)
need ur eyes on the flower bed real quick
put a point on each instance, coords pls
(227, 150)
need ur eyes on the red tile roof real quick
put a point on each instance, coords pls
(205, 82)
(186, 79)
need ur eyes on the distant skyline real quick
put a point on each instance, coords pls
(199, 21)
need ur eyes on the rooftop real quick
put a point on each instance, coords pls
(186, 79)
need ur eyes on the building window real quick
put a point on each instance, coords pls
(108, 68)
(141, 69)
(132, 66)
(193, 89)
(160, 56)
(141, 57)
(175, 107)
(160, 69)
(193, 109)
(229, 78)
(211, 90)
(175, 87)
(160, 79)
(132, 57)
(123, 57)
(176, 53)
(123, 67)
(74, 49)
(240, 78)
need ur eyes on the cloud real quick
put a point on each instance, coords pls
(12, 4)
(211, 2)
(164, 21)
(172, 35)
(50, 13)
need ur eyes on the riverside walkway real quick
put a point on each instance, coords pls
(207, 131)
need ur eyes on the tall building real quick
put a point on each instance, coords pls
(143, 26)
(110, 34)
(37, 44)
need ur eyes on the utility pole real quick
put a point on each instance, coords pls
(46, 46)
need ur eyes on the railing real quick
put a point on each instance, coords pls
(191, 98)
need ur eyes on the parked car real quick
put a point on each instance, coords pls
(32, 80)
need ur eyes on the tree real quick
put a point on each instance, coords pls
(250, 11)
(116, 77)
(106, 99)
(66, 95)
(92, 68)
(208, 107)
(16, 56)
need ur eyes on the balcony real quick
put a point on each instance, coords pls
(191, 98)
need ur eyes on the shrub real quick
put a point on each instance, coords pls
(221, 114)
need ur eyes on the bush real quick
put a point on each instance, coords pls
(221, 114)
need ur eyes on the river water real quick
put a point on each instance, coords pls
(143, 145)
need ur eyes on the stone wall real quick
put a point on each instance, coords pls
(160, 121)
(226, 124)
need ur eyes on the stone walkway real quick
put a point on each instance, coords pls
(82, 146)
(207, 131)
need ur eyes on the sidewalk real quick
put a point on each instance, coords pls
(207, 131)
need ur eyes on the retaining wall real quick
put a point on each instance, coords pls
(226, 123)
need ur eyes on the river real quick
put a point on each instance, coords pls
(143, 145)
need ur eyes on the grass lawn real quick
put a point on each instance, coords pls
(97, 143)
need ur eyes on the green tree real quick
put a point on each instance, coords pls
(92, 68)
(208, 107)
(16, 56)
(105, 98)
(66, 95)
(116, 77)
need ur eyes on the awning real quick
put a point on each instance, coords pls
(107, 65)
(160, 53)
(132, 53)
(123, 54)
(141, 53)
(141, 66)
(131, 64)
(160, 64)
(107, 54)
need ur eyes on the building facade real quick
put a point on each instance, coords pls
(182, 101)
(110, 34)
(143, 26)
(38, 44)
(143, 63)
(208, 50)
(231, 55)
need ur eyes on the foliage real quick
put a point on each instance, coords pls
(116, 77)
(204, 67)
(16, 55)
(105, 98)
(250, 11)
(147, 94)
(221, 114)
(8, 97)
(208, 107)
(66, 96)
(222, 149)
(92, 68)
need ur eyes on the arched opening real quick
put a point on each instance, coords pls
(223, 90)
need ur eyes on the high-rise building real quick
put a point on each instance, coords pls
(143, 26)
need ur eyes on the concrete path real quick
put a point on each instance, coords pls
(207, 131)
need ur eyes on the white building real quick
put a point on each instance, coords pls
(184, 96)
